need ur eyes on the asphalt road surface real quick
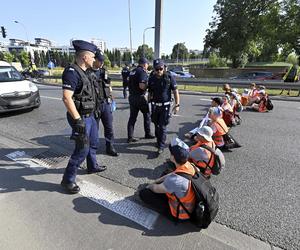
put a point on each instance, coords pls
(259, 188)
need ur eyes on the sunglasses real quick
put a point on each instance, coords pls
(159, 69)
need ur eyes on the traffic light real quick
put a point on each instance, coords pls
(3, 30)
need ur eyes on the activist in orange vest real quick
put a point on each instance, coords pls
(161, 195)
(218, 126)
(202, 157)
(253, 96)
(262, 105)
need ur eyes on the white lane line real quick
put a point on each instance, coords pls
(207, 100)
(113, 201)
(119, 204)
(53, 98)
(22, 158)
(48, 86)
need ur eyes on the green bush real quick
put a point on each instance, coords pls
(216, 61)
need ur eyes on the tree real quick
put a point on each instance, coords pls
(24, 59)
(126, 57)
(107, 62)
(8, 57)
(236, 24)
(179, 52)
(144, 51)
(1, 55)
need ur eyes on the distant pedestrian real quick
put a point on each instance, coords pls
(125, 79)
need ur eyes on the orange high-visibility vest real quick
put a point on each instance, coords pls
(188, 200)
(253, 93)
(211, 157)
(221, 129)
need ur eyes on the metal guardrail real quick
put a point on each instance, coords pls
(215, 82)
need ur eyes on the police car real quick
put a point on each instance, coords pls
(16, 93)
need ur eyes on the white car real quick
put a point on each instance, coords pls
(16, 93)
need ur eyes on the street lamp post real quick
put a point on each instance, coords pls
(129, 15)
(27, 40)
(144, 38)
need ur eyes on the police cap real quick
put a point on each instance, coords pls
(143, 60)
(99, 55)
(158, 63)
(80, 45)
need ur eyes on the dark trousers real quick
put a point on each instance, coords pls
(106, 117)
(138, 104)
(160, 117)
(159, 202)
(80, 154)
(125, 88)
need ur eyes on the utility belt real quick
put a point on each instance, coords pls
(87, 115)
(160, 104)
(105, 100)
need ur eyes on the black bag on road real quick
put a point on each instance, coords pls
(207, 200)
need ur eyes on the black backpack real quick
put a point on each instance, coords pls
(207, 200)
(219, 163)
(269, 104)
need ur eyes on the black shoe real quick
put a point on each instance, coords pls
(72, 188)
(149, 136)
(132, 139)
(96, 170)
(110, 150)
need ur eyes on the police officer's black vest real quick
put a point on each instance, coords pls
(104, 85)
(166, 77)
(85, 100)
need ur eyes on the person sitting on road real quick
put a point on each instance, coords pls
(235, 102)
(201, 157)
(218, 126)
(253, 96)
(261, 106)
(161, 195)
(215, 102)
(226, 88)
(228, 114)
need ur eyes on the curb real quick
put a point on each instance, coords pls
(186, 92)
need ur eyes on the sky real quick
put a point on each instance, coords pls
(60, 21)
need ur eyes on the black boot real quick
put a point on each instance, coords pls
(110, 150)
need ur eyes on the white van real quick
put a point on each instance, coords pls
(15, 91)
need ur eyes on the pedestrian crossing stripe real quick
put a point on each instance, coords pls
(119, 204)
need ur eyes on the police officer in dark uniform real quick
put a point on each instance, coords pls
(104, 102)
(125, 77)
(79, 98)
(138, 99)
(160, 85)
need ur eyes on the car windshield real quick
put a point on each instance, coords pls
(9, 73)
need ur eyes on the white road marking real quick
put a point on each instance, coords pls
(119, 204)
(22, 158)
(48, 86)
(207, 100)
(50, 97)
(113, 201)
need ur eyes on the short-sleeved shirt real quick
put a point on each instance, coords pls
(137, 76)
(161, 87)
(177, 184)
(125, 74)
(71, 80)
